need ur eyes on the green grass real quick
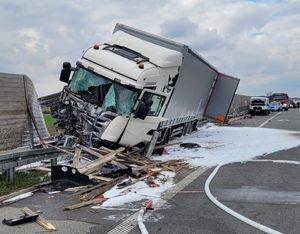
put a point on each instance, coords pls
(49, 120)
(22, 180)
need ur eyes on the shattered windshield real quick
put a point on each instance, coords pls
(101, 91)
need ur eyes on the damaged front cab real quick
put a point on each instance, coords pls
(102, 106)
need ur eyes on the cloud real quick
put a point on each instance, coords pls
(257, 41)
(179, 27)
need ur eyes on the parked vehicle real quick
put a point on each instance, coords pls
(283, 98)
(139, 87)
(294, 102)
(297, 102)
(275, 106)
(259, 105)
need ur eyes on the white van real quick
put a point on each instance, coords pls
(259, 105)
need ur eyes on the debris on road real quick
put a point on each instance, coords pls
(40, 220)
(190, 145)
(105, 169)
(20, 220)
(142, 211)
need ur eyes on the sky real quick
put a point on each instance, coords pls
(257, 41)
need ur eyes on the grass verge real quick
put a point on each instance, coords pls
(49, 120)
(22, 180)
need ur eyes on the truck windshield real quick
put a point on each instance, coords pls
(103, 92)
(278, 97)
(258, 102)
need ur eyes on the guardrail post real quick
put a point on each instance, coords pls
(10, 175)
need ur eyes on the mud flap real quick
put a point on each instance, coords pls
(221, 97)
(65, 177)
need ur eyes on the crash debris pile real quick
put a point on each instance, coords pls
(111, 167)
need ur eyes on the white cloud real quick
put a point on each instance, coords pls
(257, 41)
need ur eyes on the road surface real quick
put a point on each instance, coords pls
(266, 192)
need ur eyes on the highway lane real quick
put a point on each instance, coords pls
(288, 120)
(265, 192)
(247, 188)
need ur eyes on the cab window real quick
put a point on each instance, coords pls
(154, 102)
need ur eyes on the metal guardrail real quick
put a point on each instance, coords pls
(9, 160)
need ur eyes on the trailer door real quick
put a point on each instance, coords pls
(221, 97)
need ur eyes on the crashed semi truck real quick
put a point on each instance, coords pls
(138, 88)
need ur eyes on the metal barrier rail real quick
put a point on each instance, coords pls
(9, 160)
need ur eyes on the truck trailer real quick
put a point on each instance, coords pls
(138, 88)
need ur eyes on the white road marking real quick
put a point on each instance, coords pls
(131, 222)
(268, 120)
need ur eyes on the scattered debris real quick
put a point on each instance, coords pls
(63, 177)
(190, 145)
(86, 203)
(142, 211)
(19, 197)
(40, 220)
(105, 169)
(20, 220)
(32, 189)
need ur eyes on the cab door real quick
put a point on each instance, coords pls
(140, 130)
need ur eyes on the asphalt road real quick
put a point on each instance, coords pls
(266, 192)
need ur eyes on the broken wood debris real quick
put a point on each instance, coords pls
(86, 203)
(40, 220)
(130, 166)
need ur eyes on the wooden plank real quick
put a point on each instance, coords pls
(58, 148)
(131, 160)
(86, 190)
(92, 166)
(100, 178)
(76, 189)
(103, 189)
(46, 169)
(76, 158)
(90, 151)
(86, 203)
(40, 220)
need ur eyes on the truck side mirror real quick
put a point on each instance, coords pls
(65, 72)
(141, 110)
